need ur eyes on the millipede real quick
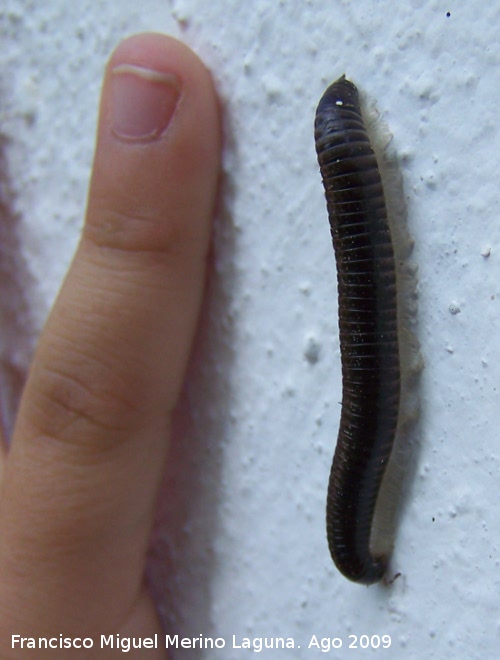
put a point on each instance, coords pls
(369, 334)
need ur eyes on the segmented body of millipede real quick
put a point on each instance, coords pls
(368, 326)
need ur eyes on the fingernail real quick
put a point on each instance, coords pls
(143, 101)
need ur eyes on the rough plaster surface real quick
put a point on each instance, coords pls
(240, 545)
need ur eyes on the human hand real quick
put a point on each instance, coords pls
(90, 441)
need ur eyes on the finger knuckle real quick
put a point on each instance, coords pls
(79, 403)
(137, 231)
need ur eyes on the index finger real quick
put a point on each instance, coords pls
(90, 442)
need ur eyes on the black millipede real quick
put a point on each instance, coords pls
(368, 331)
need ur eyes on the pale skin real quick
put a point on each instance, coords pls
(80, 480)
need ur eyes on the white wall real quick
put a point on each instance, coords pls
(258, 422)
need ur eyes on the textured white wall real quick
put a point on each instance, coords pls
(244, 502)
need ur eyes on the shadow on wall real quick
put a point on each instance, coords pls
(182, 552)
(16, 327)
